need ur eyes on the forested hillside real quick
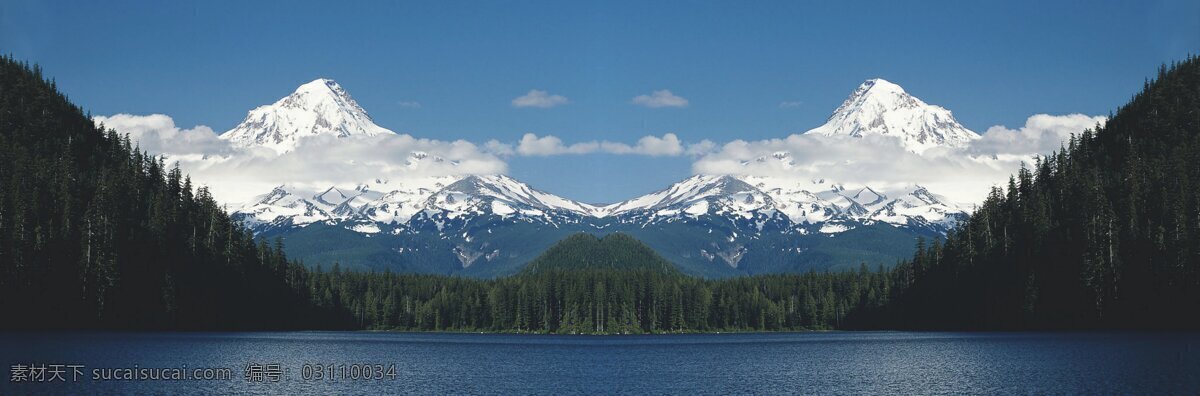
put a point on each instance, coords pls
(611, 285)
(616, 251)
(574, 289)
(96, 234)
(1103, 234)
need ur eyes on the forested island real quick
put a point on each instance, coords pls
(96, 234)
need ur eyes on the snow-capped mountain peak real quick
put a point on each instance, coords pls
(503, 196)
(688, 193)
(320, 107)
(879, 107)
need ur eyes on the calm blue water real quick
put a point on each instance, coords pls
(835, 362)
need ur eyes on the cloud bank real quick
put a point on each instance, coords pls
(236, 175)
(1042, 133)
(962, 175)
(532, 145)
(157, 133)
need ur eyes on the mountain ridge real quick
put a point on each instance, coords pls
(715, 221)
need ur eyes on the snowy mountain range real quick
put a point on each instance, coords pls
(486, 225)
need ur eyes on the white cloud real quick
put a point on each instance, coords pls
(704, 147)
(962, 175)
(499, 148)
(1042, 133)
(157, 133)
(790, 104)
(540, 99)
(667, 145)
(409, 104)
(235, 175)
(661, 98)
(533, 145)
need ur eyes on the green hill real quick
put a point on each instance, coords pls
(612, 252)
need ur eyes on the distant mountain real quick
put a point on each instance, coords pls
(490, 225)
(584, 251)
(696, 195)
(487, 225)
(879, 107)
(377, 201)
(320, 107)
(504, 196)
(723, 225)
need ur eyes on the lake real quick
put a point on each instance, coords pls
(763, 363)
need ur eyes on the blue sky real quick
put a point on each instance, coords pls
(991, 63)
